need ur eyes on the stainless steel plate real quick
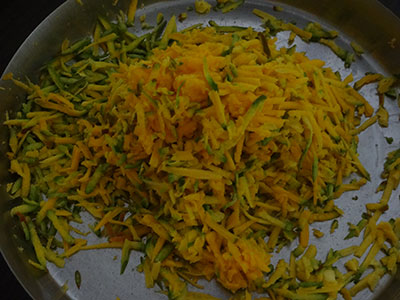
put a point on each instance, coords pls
(364, 21)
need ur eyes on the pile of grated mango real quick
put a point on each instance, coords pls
(206, 149)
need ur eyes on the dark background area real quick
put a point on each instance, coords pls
(18, 18)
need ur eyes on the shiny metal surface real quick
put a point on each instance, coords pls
(364, 21)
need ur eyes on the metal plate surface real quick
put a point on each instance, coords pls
(364, 21)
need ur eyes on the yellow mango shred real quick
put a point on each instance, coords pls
(203, 149)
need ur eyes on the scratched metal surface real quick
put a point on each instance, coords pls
(364, 21)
